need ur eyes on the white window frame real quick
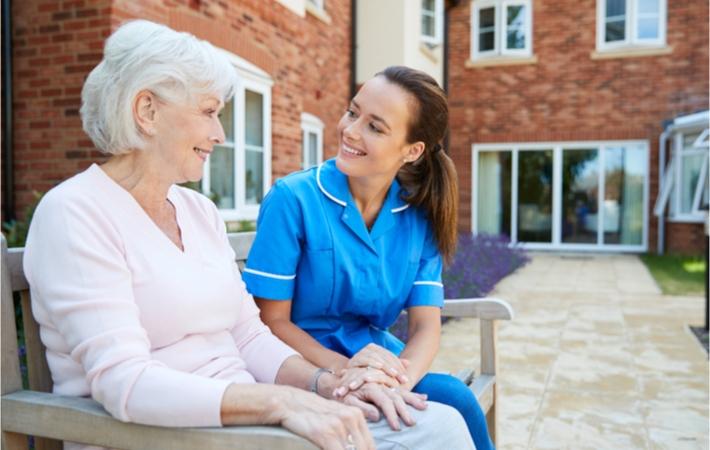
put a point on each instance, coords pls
(252, 78)
(631, 39)
(311, 124)
(317, 4)
(558, 147)
(699, 147)
(500, 29)
(438, 16)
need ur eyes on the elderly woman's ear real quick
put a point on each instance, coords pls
(145, 111)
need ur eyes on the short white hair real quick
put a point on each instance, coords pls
(142, 55)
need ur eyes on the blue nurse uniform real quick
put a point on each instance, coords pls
(347, 284)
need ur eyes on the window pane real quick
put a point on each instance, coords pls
(648, 6)
(493, 202)
(254, 118)
(515, 27)
(222, 177)
(689, 139)
(615, 8)
(428, 5)
(615, 30)
(428, 28)
(648, 28)
(623, 195)
(487, 18)
(580, 188)
(535, 196)
(689, 177)
(486, 42)
(312, 150)
(254, 177)
(227, 120)
(706, 191)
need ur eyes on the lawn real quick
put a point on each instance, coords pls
(677, 275)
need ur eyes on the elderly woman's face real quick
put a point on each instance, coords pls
(186, 135)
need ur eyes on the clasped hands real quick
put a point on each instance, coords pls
(375, 378)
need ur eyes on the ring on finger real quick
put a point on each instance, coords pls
(350, 444)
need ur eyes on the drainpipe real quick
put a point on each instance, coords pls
(661, 169)
(8, 188)
(445, 72)
(451, 4)
(353, 49)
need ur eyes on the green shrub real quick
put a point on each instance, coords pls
(16, 230)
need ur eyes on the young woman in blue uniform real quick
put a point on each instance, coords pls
(343, 248)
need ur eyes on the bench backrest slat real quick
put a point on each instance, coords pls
(11, 378)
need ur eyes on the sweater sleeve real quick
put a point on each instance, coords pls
(76, 265)
(262, 351)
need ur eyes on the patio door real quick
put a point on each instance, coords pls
(576, 196)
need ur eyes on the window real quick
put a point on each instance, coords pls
(690, 196)
(238, 173)
(432, 12)
(501, 28)
(630, 23)
(576, 195)
(312, 132)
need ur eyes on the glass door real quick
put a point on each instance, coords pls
(534, 203)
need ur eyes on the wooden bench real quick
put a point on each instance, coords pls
(53, 418)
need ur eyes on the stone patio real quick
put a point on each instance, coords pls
(596, 358)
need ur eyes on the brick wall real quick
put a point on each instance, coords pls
(685, 238)
(566, 95)
(55, 45)
(58, 43)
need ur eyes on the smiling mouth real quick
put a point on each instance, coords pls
(201, 152)
(351, 151)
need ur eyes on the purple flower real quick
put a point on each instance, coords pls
(479, 264)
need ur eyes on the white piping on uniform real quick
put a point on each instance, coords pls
(400, 209)
(429, 283)
(326, 193)
(270, 275)
(342, 203)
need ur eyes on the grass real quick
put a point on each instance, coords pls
(677, 275)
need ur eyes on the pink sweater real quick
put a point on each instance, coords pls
(153, 334)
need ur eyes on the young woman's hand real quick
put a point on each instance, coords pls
(378, 357)
(352, 378)
(390, 401)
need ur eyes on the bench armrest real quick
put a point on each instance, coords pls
(488, 308)
(83, 420)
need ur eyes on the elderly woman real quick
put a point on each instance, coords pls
(134, 284)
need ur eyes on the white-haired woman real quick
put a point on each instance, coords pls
(134, 284)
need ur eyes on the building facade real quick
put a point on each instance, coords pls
(292, 58)
(557, 108)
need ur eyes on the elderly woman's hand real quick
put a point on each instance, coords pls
(391, 401)
(328, 424)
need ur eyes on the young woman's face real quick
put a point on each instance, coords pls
(186, 135)
(373, 131)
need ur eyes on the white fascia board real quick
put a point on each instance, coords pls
(692, 120)
(248, 69)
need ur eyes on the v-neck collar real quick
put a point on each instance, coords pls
(334, 185)
(131, 205)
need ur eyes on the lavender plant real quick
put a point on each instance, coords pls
(479, 264)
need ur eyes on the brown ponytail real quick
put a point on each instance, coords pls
(431, 181)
